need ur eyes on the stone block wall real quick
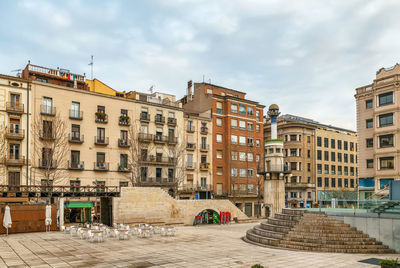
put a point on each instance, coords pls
(154, 204)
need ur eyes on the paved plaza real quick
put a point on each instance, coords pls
(205, 246)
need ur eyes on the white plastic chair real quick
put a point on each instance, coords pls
(90, 236)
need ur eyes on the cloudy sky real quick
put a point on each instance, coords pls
(306, 56)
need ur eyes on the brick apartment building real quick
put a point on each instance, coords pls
(237, 142)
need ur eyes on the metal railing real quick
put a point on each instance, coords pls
(101, 166)
(204, 166)
(101, 117)
(171, 121)
(12, 160)
(190, 165)
(124, 121)
(76, 165)
(172, 140)
(204, 147)
(144, 117)
(15, 133)
(100, 140)
(204, 130)
(124, 143)
(190, 128)
(14, 107)
(47, 110)
(190, 146)
(47, 164)
(152, 159)
(77, 138)
(44, 135)
(156, 180)
(74, 114)
(144, 137)
(160, 139)
(159, 119)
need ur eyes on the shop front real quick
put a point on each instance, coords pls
(78, 212)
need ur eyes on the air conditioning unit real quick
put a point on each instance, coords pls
(80, 166)
(101, 165)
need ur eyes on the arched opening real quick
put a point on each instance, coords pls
(207, 216)
(171, 192)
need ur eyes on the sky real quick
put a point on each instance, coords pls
(306, 56)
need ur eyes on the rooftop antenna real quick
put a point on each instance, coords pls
(151, 89)
(18, 72)
(91, 66)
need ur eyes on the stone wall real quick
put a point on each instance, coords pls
(154, 204)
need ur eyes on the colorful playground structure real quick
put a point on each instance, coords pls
(209, 216)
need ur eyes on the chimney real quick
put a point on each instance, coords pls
(189, 90)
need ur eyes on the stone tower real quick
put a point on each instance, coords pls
(275, 168)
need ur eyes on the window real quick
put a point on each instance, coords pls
(308, 153)
(249, 110)
(271, 150)
(351, 171)
(250, 141)
(386, 141)
(158, 173)
(351, 146)
(219, 107)
(100, 159)
(386, 162)
(346, 183)
(242, 109)
(76, 132)
(75, 159)
(333, 157)
(101, 135)
(234, 155)
(293, 137)
(250, 157)
(346, 171)
(242, 124)
(257, 143)
(319, 182)
(319, 155)
(242, 156)
(385, 98)
(339, 144)
(250, 188)
(171, 173)
(209, 91)
(339, 183)
(386, 120)
(333, 182)
(369, 143)
(339, 170)
(219, 154)
(326, 182)
(368, 104)
(293, 152)
(308, 139)
(326, 142)
(123, 161)
(250, 126)
(258, 158)
(219, 137)
(234, 139)
(370, 163)
(369, 123)
(308, 166)
(123, 184)
(352, 158)
(333, 143)
(75, 110)
(326, 155)
(219, 171)
(258, 114)
(234, 123)
(143, 173)
(319, 168)
(242, 140)
(346, 158)
(242, 172)
(47, 105)
(384, 183)
(234, 108)
(234, 172)
(339, 157)
(319, 141)
(219, 122)
(346, 145)
(258, 128)
(250, 173)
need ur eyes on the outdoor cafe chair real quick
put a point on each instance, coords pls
(90, 236)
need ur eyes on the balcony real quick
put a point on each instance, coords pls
(201, 188)
(144, 117)
(47, 164)
(100, 140)
(299, 185)
(15, 108)
(101, 117)
(190, 129)
(76, 165)
(160, 139)
(124, 143)
(171, 121)
(43, 135)
(15, 133)
(190, 165)
(157, 181)
(75, 138)
(190, 146)
(12, 160)
(75, 115)
(158, 160)
(172, 140)
(204, 130)
(204, 166)
(47, 110)
(159, 119)
(124, 120)
(278, 169)
(123, 168)
(204, 148)
(101, 166)
(144, 137)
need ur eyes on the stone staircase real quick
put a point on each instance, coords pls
(294, 229)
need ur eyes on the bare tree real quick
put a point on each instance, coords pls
(177, 155)
(3, 147)
(51, 148)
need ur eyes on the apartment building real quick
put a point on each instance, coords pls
(14, 127)
(197, 183)
(237, 149)
(377, 127)
(322, 160)
(101, 130)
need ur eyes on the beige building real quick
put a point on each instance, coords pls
(322, 160)
(377, 126)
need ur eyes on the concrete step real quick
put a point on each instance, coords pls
(261, 239)
(339, 250)
(280, 222)
(259, 231)
(352, 241)
(326, 236)
(290, 211)
(275, 228)
(282, 216)
(335, 246)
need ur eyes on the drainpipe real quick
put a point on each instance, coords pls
(27, 133)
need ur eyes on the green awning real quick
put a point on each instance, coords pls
(79, 205)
